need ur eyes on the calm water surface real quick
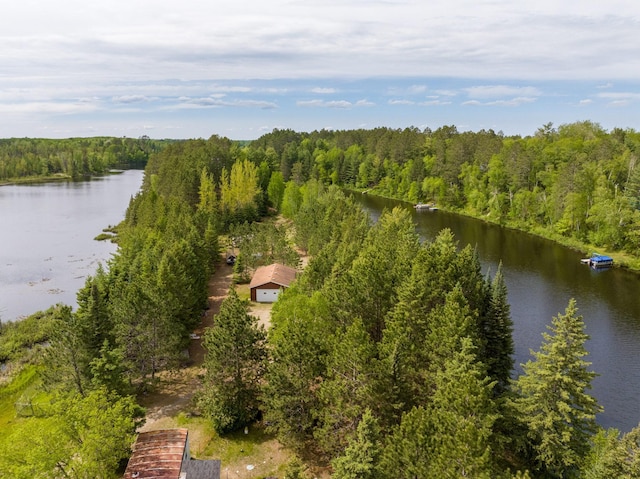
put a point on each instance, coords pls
(541, 278)
(46, 238)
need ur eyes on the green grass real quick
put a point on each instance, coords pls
(243, 291)
(18, 338)
(235, 446)
(236, 451)
(21, 384)
(104, 237)
(35, 179)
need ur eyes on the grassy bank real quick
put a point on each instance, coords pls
(11, 393)
(35, 179)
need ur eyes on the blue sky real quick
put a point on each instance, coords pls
(239, 69)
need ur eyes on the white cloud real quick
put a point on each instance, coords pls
(130, 99)
(407, 91)
(323, 91)
(230, 88)
(619, 99)
(401, 102)
(341, 104)
(619, 103)
(431, 100)
(78, 56)
(501, 91)
(57, 108)
(517, 101)
(446, 92)
(434, 103)
(485, 39)
(619, 96)
(522, 100)
(215, 102)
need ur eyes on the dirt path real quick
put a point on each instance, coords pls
(174, 393)
(176, 388)
(218, 289)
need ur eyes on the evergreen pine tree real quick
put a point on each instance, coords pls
(407, 453)
(234, 366)
(627, 455)
(92, 317)
(67, 359)
(462, 415)
(612, 456)
(452, 435)
(298, 340)
(554, 402)
(369, 289)
(347, 388)
(361, 458)
(497, 329)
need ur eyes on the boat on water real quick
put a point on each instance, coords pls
(425, 206)
(598, 261)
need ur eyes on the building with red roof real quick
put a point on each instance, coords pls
(269, 281)
(165, 454)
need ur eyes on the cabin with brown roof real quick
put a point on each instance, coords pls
(165, 454)
(269, 281)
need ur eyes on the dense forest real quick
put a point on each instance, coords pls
(387, 358)
(33, 158)
(576, 184)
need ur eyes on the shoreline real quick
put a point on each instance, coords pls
(621, 259)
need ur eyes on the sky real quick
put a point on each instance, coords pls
(195, 68)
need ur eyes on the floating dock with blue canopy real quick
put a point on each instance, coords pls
(598, 261)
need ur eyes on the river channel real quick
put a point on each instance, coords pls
(47, 231)
(541, 277)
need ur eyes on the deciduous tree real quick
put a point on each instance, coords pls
(275, 189)
(80, 438)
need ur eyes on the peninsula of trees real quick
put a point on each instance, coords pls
(387, 358)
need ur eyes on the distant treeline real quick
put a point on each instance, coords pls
(72, 157)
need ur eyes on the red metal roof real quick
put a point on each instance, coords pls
(157, 455)
(275, 273)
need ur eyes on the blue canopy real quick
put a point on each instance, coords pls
(600, 258)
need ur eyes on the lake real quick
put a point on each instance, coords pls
(47, 246)
(541, 277)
